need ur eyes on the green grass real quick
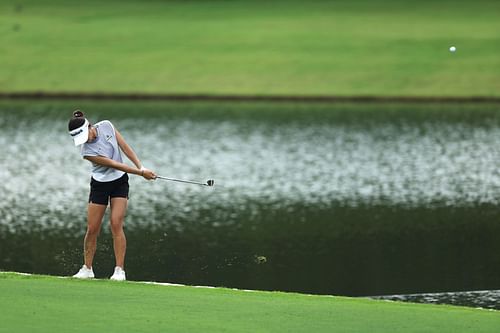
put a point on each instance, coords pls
(49, 304)
(478, 113)
(315, 47)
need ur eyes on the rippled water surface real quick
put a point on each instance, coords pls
(486, 299)
(414, 165)
(314, 205)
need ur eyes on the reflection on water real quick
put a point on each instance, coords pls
(394, 164)
(344, 208)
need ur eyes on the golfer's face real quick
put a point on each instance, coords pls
(91, 134)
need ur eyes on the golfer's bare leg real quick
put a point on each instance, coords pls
(118, 210)
(95, 214)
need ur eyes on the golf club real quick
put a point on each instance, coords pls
(209, 182)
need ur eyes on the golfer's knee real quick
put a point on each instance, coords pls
(116, 225)
(93, 230)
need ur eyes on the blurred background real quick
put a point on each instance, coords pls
(353, 152)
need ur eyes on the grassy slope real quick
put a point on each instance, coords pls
(47, 304)
(358, 47)
(265, 111)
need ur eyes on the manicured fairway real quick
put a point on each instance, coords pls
(49, 304)
(313, 47)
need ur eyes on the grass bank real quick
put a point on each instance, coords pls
(317, 47)
(344, 112)
(49, 304)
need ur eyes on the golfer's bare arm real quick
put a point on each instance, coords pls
(107, 162)
(127, 150)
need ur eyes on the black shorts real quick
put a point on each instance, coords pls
(101, 192)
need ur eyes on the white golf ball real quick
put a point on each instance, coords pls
(453, 49)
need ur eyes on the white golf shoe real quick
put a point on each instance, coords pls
(84, 273)
(118, 275)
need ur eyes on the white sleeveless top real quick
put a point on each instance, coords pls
(104, 145)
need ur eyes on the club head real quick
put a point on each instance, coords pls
(210, 182)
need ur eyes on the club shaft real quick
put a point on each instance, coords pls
(181, 181)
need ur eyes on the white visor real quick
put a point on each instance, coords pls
(80, 134)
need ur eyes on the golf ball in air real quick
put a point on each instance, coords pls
(453, 49)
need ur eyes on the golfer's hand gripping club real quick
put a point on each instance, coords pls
(148, 174)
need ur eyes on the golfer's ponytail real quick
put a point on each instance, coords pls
(78, 114)
(77, 120)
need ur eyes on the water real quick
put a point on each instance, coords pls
(486, 299)
(366, 207)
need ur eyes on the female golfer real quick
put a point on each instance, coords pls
(101, 144)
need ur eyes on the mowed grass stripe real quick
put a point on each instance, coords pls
(50, 304)
(279, 47)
